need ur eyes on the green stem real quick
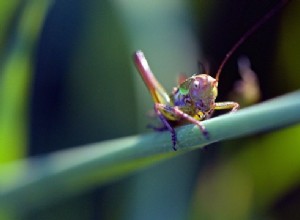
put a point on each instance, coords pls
(30, 183)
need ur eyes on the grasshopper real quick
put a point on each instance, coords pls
(194, 99)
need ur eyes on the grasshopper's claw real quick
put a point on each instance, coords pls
(175, 147)
(174, 140)
(205, 134)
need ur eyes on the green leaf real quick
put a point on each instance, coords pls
(15, 79)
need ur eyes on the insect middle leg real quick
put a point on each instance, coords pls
(177, 113)
(158, 109)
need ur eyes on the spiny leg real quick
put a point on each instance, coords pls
(157, 108)
(155, 127)
(189, 118)
(234, 106)
(180, 114)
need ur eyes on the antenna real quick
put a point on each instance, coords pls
(254, 28)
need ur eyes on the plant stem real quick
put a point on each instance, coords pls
(33, 182)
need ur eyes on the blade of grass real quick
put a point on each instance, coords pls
(28, 184)
(15, 78)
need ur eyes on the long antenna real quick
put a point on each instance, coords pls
(263, 20)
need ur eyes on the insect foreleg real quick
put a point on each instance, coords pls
(234, 106)
(189, 118)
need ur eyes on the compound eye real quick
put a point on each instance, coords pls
(196, 84)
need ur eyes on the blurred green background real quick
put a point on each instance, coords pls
(67, 79)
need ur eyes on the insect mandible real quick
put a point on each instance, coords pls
(194, 99)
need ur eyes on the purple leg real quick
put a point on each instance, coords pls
(168, 126)
(180, 114)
